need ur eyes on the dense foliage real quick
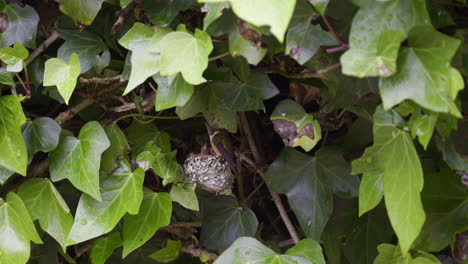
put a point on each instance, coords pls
(233, 131)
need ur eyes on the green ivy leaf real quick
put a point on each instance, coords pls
(249, 250)
(57, 72)
(139, 135)
(6, 78)
(16, 232)
(320, 5)
(389, 254)
(104, 247)
(144, 42)
(371, 189)
(224, 221)
(82, 12)
(446, 203)
(118, 147)
(41, 134)
(402, 183)
(275, 14)
(426, 79)
(22, 26)
(422, 125)
(45, 204)
(122, 192)
(184, 194)
(169, 253)
(295, 126)
(213, 11)
(172, 91)
(5, 174)
(165, 165)
(13, 152)
(187, 54)
(78, 159)
(308, 249)
(14, 57)
(155, 212)
(238, 45)
(163, 12)
(86, 44)
(307, 187)
(376, 33)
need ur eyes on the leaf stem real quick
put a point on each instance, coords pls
(25, 87)
(51, 39)
(222, 55)
(335, 35)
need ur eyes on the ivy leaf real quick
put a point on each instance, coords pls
(169, 253)
(5, 174)
(247, 250)
(304, 39)
(224, 221)
(122, 192)
(445, 201)
(41, 134)
(376, 33)
(118, 147)
(143, 41)
(295, 126)
(45, 204)
(389, 254)
(6, 78)
(140, 135)
(57, 72)
(163, 12)
(275, 14)
(422, 125)
(86, 44)
(187, 54)
(14, 57)
(104, 247)
(238, 45)
(13, 152)
(82, 12)
(22, 26)
(320, 5)
(213, 11)
(78, 159)
(307, 187)
(16, 232)
(184, 194)
(165, 165)
(402, 183)
(172, 91)
(426, 79)
(308, 249)
(370, 190)
(155, 212)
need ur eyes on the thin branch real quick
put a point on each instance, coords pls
(197, 251)
(121, 16)
(300, 75)
(330, 68)
(147, 104)
(51, 39)
(71, 112)
(250, 139)
(222, 55)
(100, 80)
(332, 30)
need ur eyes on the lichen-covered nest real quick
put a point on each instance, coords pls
(210, 172)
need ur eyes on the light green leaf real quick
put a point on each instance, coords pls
(63, 75)
(426, 79)
(122, 192)
(295, 126)
(422, 125)
(155, 212)
(309, 249)
(13, 152)
(172, 91)
(238, 45)
(213, 11)
(370, 190)
(376, 33)
(41, 134)
(118, 147)
(276, 14)
(6, 78)
(78, 159)
(320, 5)
(187, 54)
(248, 250)
(224, 221)
(45, 204)
(14, 57)
(184, 194)
(22, 26)
(16, 232)
(81, 11)
(140, 135)
(169, 253)
(402, 177)
(86, 44)
(5, 174)
(143, 41)
(165, 165)
(104, 247)
(390, 254)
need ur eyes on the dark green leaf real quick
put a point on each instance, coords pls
(163, 12)
(22, 26)
(169, 253)
(41, 134)
(213, 11)
(172, 91)
(104, 247)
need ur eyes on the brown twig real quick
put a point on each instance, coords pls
(51, 39)
(250, 139)
(71, 112)
(195, 251)
(147, 104)
(301, 75)
(100, 80)
(222, 55)
(121, 16)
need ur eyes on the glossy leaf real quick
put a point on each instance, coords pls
(118, 147)
(78, 159)
(13, 152)
(122, 192)
(17, 231)
(248, 250)
(155, 212)
(22, 26)
(402, 183)
(376, 33)
(14, 57)
(57, 72)
(186, 53)
(224, 221)
(82, 11)
(184, 194)
(104, 247)
(45, 204)
(428, 80)
(172, 91)
(308, 249)
(169, 253)
(41, 134)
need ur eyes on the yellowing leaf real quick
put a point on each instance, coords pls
(63, 75)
